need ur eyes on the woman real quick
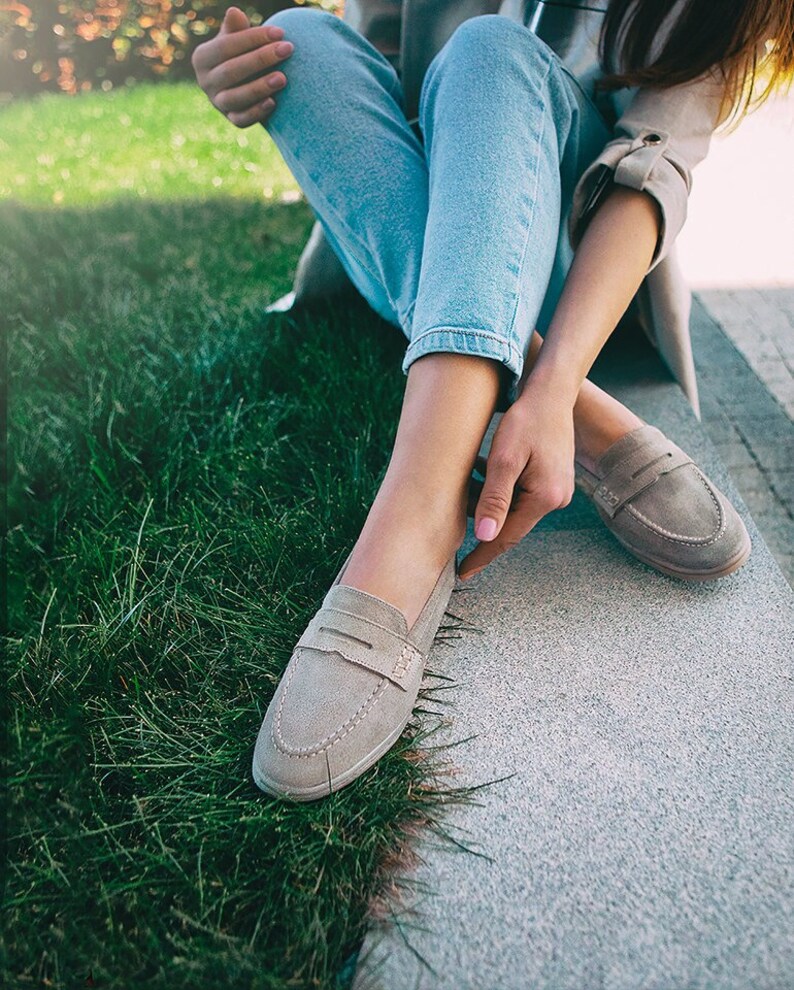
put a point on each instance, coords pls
(438, 234)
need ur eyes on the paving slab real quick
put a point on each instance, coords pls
(635, 734)
(760, 323)
(751, 429)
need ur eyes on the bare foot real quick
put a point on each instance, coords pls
(404, 546)
(418, 519)
(599, 421)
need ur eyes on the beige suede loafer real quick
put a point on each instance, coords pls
(347, 692)
(663, 509)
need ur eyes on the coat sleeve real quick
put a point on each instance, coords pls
(658, 140)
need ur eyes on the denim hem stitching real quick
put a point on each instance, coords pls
(471, 331)
(513, 359)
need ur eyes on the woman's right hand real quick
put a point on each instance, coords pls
(232, 68)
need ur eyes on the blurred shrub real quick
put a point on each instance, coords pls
(75, 45)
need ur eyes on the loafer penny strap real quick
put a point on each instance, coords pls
(636, 472)
(361, 641)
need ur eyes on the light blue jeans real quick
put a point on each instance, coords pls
(453, 229)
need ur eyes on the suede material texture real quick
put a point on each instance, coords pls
(669, 514)
(347, 692)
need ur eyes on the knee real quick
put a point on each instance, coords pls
(482, 39)
(306, 25)
(484, 50)
(320, 62)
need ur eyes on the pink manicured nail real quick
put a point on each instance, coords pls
(486, 529)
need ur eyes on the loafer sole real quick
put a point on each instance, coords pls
(665, 567)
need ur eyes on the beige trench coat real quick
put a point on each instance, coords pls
(658, 138)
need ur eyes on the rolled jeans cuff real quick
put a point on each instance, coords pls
(476, 342)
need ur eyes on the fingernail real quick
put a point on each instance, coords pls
(276, 33)
(485, 529)
(284, 48)
(268, 104)
(470, 574)
(275, 80)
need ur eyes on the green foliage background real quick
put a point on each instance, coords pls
(76, 45)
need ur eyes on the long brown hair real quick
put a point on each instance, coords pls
(750, 41)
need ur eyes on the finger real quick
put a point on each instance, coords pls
(234, 20)
(521, 520)
(244, 68)
(248, 96)
(474, 492)
(227, 46)
(496, 496)
(257, 114)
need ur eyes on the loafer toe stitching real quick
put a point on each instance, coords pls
(693, 541)
(324, 744)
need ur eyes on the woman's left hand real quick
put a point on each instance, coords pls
(529, 472)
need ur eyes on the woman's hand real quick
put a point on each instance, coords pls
(232, 67)
(529, 472)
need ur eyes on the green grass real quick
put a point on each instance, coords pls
(133, 144)
(186, 476)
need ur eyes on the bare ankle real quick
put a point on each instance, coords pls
(599, 421)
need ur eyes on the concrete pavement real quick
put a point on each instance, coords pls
(637, 735)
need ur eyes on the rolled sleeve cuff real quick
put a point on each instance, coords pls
(645, 163)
